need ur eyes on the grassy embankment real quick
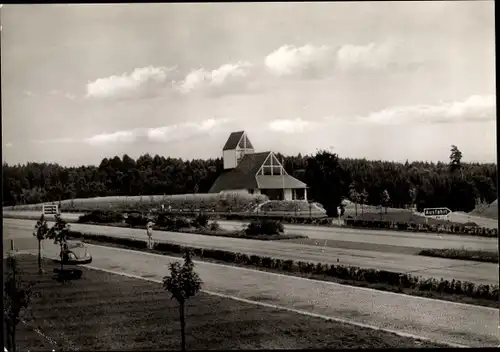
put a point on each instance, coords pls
(103, 311)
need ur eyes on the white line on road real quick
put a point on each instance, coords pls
(268, 305)
(298, 278)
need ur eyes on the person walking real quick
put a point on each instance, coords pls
(149, 231)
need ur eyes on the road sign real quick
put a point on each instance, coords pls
(436, 212)
(50, 209)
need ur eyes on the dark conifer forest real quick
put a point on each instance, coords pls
(457, 185)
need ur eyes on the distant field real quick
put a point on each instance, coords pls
(234, 203)
(217, 202)
(102, 311)
(489, 211)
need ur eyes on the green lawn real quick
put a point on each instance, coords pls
(102, 311)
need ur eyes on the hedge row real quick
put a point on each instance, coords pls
(462, 254)
(400, 280)
(168, 222)
(451, 229)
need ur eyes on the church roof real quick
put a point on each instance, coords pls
(237, 139)
(244, 176)
(233, 140)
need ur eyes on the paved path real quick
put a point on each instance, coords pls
(438, 320)
(394, 238)
(484, 273)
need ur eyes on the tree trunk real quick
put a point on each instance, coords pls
(62, 258)
(183, 327)
(356, 208)
(13, 342)
(9, 334)
(40, 257)
(386, 210)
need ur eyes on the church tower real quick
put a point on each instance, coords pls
(235, 149)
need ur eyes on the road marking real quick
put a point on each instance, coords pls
(299, 278)
(268, 305)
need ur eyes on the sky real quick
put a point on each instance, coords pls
(377, 80)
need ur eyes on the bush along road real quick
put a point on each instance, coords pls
(262, 229)
(461, 254)
(465, 292)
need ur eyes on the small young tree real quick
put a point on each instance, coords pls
(455, 158)
(182, 283)
(59, 233)
(17, 296)
(363, 196)
(385, 199)
(354, 196)
(41, 232)
(413, 195)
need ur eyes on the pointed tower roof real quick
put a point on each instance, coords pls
(236, 139)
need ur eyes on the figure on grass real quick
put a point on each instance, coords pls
(182, 283)
(149, 232)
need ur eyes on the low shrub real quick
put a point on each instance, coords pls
(214, 226)
(172, 223)
(264, 227)
(136, 219)
(201, 221)
(101, 217)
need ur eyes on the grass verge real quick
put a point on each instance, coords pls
(102, 311)
(430, 288)
(461, 254)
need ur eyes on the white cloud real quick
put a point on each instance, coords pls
(157, 134)
(141, 82)
(473, 109)
(116, 137)
(184, 130)
(375, 56)
(67, 95)
(291, 126)
(227, 76)
(29, 93)
(307, 60)
(55, 140)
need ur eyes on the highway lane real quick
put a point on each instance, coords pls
(463, 324)
(484, 273)
(394, 238)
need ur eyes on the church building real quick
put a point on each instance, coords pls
(255, 173)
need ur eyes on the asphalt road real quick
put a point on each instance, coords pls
(483, 273)
(462, 324)
(393, 238)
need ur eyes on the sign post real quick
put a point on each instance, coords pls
(437, 213)
(50, 209)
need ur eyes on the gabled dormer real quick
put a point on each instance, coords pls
(236, 147)
(271, 166)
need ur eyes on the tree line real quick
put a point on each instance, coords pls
(457, 185)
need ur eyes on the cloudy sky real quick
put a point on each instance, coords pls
(391, 81)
